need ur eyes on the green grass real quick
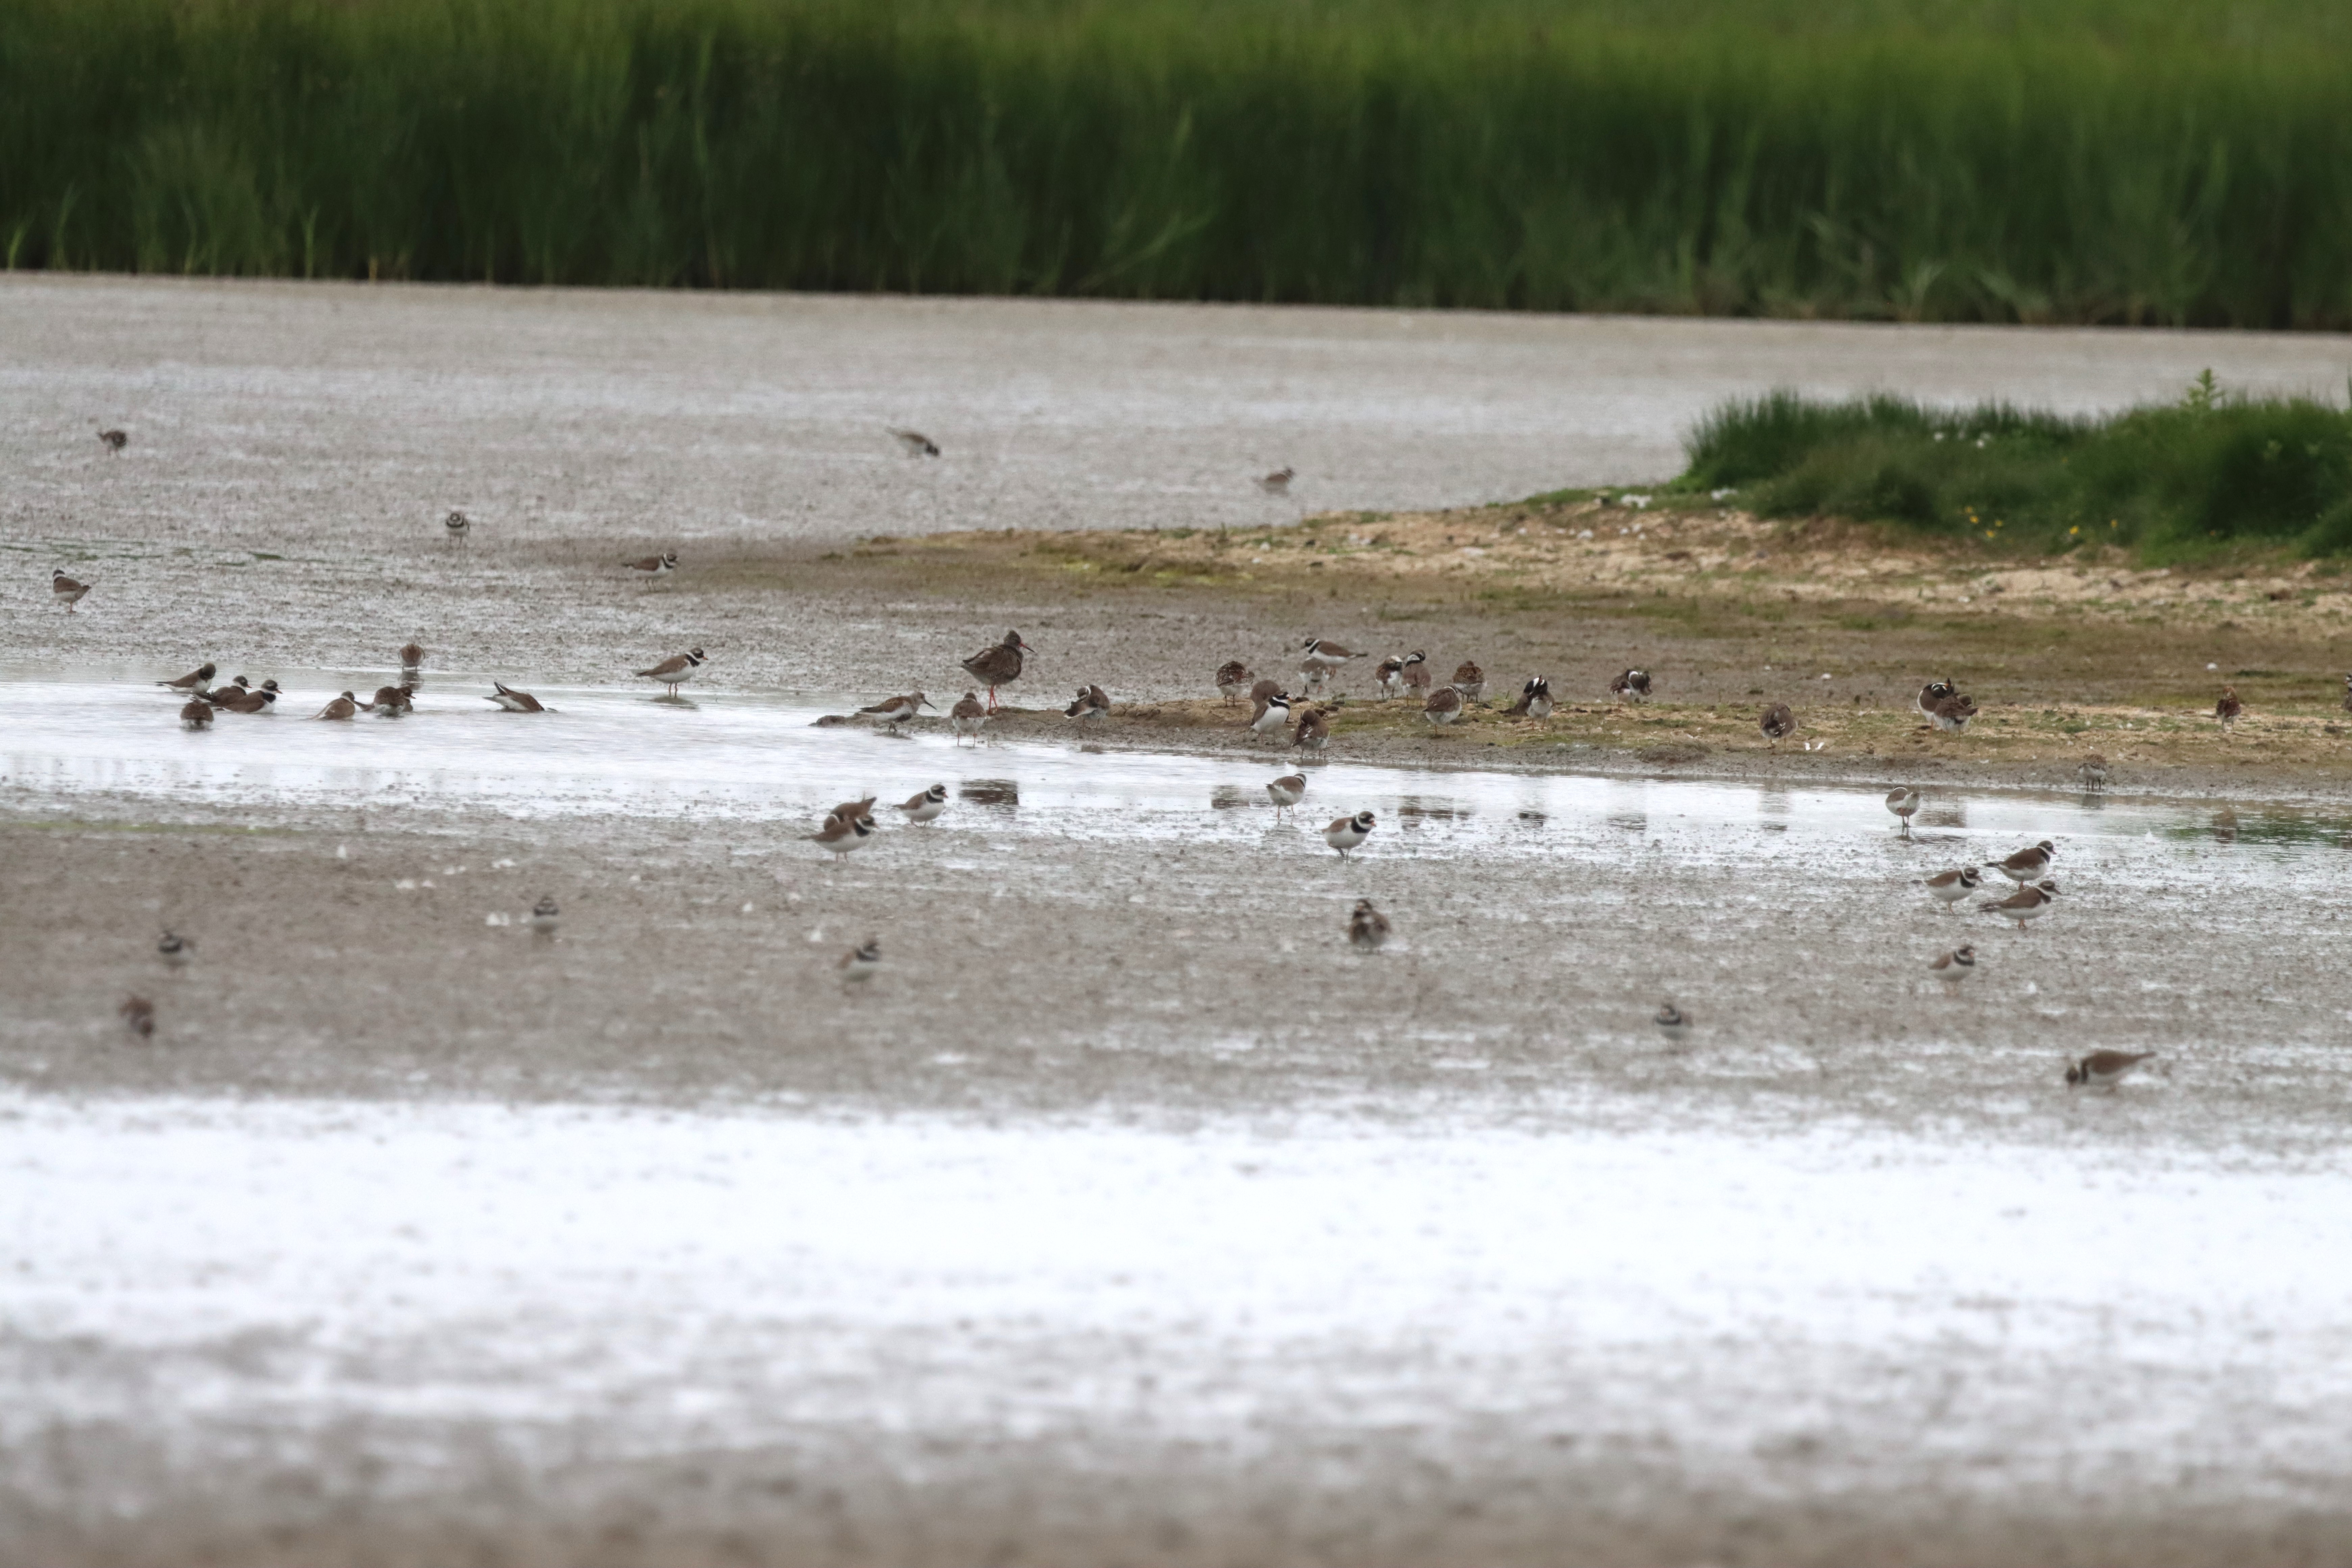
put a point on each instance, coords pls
(2197, 480)
(2111, 161)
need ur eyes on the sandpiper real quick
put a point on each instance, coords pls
(2028, 863)
(342, 707)
(917, 443)
(1368, 928)
(1286, 792)
(924, 808)
(1234, 679)
(1313, 731)
(999, 664)
(1278, 483)
(1904, 802)
(175, 950)
(412, 657)
(1389, 674)
(1672, 1021)
(544, 916)
(841, 834)
(1470, 680)
(675, 671)
(195, 680)
(115, 440)
(457, 525)
(2026, 903)
(660, 565)
(138, 1015)
(895, 711)
(861, 964)
(1347, 831)
(2102, 1069)
(1444, 707)
(2229, 709)
(1776, 723)
(969, 718)
(392, 701)
(1953, 713)
(64, 590)
(1949, 887)
(1535, 698)
(1634, 685)
(196, 714)
(1953, 967)
(514, 701)
(1272, 713)
(2094, 772)
(1092, 703)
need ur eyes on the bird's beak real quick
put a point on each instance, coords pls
(1026, 648)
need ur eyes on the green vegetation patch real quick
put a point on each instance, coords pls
(2180, 482)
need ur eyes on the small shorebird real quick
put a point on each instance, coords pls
(861, 964)
(840, 835)
(675, 671)
(1904, 802)
(115, 440)
(342, 707)
(969, 718)
(544, 916)
(1535, 698)
(457, 525)
(1320, 657)
(1259, 691)
(1672, 1021)
(917, 443)
(2229, 709)
(895, 711)
(1444, 707)
(138, 1015)
(1470, 680)
(1091, 703)
(175, 950)
(924, 808)
(651, 566)
(1272, 713)
(1390, 675)
(412, 657)
(2026, 903)
(194, 681)
(851, 810)
(2094, 770)
(1368, 928)
(1776, 723)
(1953, 713)
(1634, 685)
(219, 695)
(1278, 483)
(392, 701)
(515, 702)
(64, 590)
(1949, 887)
(1347, 831)
(1234, 679)
(1313, 731)
(1416, 672)
(2347, 694)
(1953, 967)
(2102, 1069)
(999, 664)
(247, 702)
(1935, 691)
(196, 714)
(2028, 863)
(1286, 792)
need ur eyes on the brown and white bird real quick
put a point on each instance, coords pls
(650, 566)
(1286, 792)
(2028, 864)
(841, 834)
(920, 809)
(1634, 685)
(1000, 664)
(545, 916)
(1313, 730)
(64, 590)
(1444, 707)
(1417, 675)
(1092, 703)
(1672, 1021)
(2026, 903)
(1470, 680)
(138, 1015)
(675, 671)
(1935, 691)
(2229, 709)
(1368, 928)
(895, 711)
(2102, 1069)
(258, 700)
(1953, 713)
(915, 443)
(1535, 698)
(219, 695)
(1278, 483)
(1344, 834)
(1904, 802)
(851, 810)
(1949, 887)
(862, 962)
(115, 440)
(1234, 679)
(196, 714)
(342, 707)
(392, 701)
(1272, 713)
(1776, 723)
(1389, 674)
(1955, 966)
(412, 657)
(194, 681)
(514, 701)
(2094, 772)
(968, 718)
(457, 525)
(2347, 694)
(176, 950)
(1320, 657)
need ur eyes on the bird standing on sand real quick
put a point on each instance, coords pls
(652, 566)
(1389, 674)
(1953, 967)
(1776, 723)
(1368, 928)
(115, 440)
(861, 964)
(1535, 699)
(2028, 863)
(917, 443)
(1091, 704)
(457, 525)
(544, 916)
(1278, 483)
(1634, 685)
(1935, 691)
(968, 718)
(1949, 887)
(1286, 792)
(1672, 1021)
(2026, 903)
(1470, 680)
(923, 809)
(2229, 709)
(1444, 707)
(194, 681)
(175, 950)
(998, 665)
(2102, 1069)
(1320, 657)
(1313, 731)
(1904, 802)
(676, 671)
(1234, 679)
(1272, 713)
(1416, 672)
(841, 834)
(1953, 713)
(64, 590)
(138, 1015)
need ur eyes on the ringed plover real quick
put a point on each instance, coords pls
(675, 671)
(1368, 928)
(1346, 832)
(925, 806)
(2102, 1069)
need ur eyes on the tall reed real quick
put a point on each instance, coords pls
(2108, 160)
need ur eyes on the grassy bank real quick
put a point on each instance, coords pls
(2089, 160)
(2207, 477)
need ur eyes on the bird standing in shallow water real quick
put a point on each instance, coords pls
(2094, 770)
(1286, 792)
(1904, 802)
(968, 718)
(675, 671)
(1345, 834)
(998, 665)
